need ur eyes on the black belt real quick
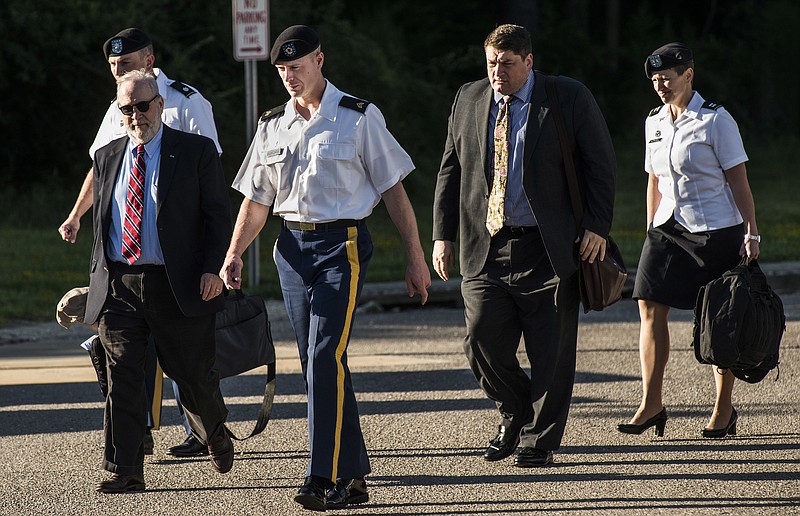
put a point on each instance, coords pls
(518, 230)
(136, 268)
(320, 226)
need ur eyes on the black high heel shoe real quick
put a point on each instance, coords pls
(729, 429)
(659, 421)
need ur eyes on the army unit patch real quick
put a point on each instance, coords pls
(116, 46)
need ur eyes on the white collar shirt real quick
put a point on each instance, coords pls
(333, 166)
(689, 157)
(190, 114)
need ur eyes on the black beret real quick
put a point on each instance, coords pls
(668, 56)
(125, 42)
(293, 43)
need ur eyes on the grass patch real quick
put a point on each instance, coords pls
(38, 268)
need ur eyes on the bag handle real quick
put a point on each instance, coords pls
(566, 152)
(265, 410)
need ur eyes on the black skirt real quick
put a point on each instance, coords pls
(675, 263)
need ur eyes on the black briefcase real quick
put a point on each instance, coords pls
(244, 342)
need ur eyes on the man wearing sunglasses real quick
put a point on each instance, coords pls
(161, 227)
(185, 109)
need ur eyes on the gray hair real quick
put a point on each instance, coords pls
(137, 76)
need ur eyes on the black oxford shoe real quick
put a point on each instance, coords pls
(191, 447)
(221, 450)
(121, 484)
(312, 495)
(503, 445)
(532, 458)
(347, 491)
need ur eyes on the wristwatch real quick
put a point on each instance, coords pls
(748, 236)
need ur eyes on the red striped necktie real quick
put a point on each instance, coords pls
(134, 209)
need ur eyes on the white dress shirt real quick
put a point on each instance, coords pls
(334, 166)
(689, 157)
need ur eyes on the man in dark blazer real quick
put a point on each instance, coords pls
(501, 188)
(161, 228)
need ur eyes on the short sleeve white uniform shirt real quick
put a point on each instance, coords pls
(190, 114)
(334, 166)
(689, 157)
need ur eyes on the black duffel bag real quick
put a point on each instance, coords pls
(739, 322)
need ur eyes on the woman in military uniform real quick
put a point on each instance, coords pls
(700, 218)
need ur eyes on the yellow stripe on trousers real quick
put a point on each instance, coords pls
(158, 385)
(355, 271)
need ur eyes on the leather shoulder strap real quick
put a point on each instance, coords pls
(566, 152)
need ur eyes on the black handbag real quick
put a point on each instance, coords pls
(600, 282)
(244, 342)
(739, 322)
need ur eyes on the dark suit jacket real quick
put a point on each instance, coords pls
(193, 218)
(464, 183)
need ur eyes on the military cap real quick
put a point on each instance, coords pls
(293, 43)
(71, 308)
(668, 56)
(125, 42)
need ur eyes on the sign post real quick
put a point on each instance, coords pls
(251, 44)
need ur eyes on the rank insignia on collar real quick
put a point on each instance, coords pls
(289, 49)
(116, 46)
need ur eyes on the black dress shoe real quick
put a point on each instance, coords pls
(729, 429)
(312, 495)
(532, 458)
(147, 442)
(191, 447)
(503, 445)
(347, 491)
(221, 450)
(659, 421)
(121, 484)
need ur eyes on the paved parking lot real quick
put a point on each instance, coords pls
(426, 424)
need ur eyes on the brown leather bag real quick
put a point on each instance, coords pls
(600, 282)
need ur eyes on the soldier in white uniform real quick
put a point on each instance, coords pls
(323, 161)
(701, 219)
(185, 109)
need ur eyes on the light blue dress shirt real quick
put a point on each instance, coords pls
(518, 211)
(151, 248)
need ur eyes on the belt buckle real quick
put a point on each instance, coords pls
(308, 226)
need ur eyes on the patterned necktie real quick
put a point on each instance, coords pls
(496, 212)
(134, 208)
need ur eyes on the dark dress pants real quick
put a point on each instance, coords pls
(140, 302)
(517, 294)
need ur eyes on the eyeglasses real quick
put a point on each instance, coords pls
(142, 107)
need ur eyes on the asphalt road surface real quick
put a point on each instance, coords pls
(426, 425)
